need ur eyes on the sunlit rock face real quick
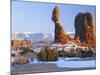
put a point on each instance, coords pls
(84, 29)
(60, 35)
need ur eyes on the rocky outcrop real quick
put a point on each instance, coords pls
(84, 29)
(60, 36)
(18, 43)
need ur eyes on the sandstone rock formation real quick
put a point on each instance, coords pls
(18, 43)
(84, 29)
(60, 36)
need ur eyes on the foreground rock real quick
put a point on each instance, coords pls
(22, 56)
(84, 29)
(20, 59)
(60, 35)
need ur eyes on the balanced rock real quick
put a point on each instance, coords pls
(84, 29)
(60, 35)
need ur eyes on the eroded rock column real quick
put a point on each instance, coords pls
(60, 35)
(84, 29)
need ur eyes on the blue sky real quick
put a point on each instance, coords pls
(36, 17)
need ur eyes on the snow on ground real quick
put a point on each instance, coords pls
(76, 64)
(64, 63)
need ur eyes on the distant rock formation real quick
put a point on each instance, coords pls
(16, 44)
(60, 35)
(84, 29)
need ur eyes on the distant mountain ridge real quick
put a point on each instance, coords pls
(35, 36)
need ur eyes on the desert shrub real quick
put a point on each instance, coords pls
(78, 52)
(26, 50)
(70, 53)
(74, 53)
(29, 53)
(48, 54)
(87, 53)
(12, 42)
(61, 53)
(42, 55)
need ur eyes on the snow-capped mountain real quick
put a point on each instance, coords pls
(33, 36)
(36, 36)
(71, 34)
